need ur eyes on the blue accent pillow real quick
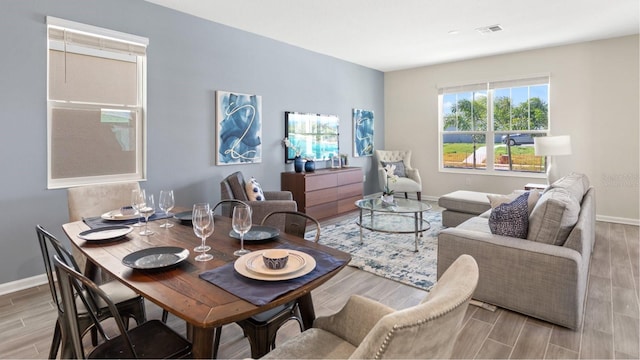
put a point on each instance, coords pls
(511, 219)
(400, 169)
(254, 190)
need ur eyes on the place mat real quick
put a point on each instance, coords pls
(98, 221)
(260, 292)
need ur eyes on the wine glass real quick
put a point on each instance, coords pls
(166, 202)
(197, 207)
(241, 224)
(138, 199)
(147, 209)
(203, 226)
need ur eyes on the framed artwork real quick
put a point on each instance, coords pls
(362, 132)
(239, 128)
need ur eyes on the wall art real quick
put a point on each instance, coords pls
(362, 132)
(239, 128)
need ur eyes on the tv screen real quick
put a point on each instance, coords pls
(312, 136)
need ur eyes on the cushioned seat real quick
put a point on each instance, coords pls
(462, 205)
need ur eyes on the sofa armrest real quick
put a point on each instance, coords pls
(414, 175)
(278, 195)
(260, 209)
(541, 280)
(354, 321)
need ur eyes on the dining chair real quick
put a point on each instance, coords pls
(366, 329)
(151, 339)
(261, 329)
(409, 179)
(128, 303)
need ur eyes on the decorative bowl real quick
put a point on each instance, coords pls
(275, 259)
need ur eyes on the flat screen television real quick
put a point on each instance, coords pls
(312, 136)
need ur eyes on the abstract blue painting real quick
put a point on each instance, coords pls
(362, 133)
(239, 126)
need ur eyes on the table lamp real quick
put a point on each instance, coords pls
(552, 146)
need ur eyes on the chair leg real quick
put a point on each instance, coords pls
(406, 196)
(216, 341)
(55, 343)
(165, 315)
(419, 196)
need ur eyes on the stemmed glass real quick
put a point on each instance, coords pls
(241, 224)
(166, 202)
(205, 208)
(147, 209)
(202, 219)
(137, 200)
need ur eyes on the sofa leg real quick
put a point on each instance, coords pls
(419, 196)
(406, 196)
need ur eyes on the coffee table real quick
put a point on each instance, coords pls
(402, 221)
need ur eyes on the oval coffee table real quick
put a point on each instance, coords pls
(402, 221)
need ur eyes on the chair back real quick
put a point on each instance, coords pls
(93, 200)
(393, 156)
(295, 222)
(226, 206)
(430, 329)
(73, 285)
(233, 187)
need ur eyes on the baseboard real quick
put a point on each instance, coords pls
(618, 220)
(22, 284)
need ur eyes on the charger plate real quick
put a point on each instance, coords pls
(105, 233)
(242, 267)
(257, 233)
(156, 257)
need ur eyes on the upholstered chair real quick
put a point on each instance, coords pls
(95, 200)
(410, 182)
(366, 329)
(234, 187)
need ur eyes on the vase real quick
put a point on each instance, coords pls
(387, 198)
(310, 166)
(298, 164)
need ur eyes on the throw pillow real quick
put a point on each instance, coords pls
(554, 217)
(400, 170)
(511, 219)
(254, 190)
(496, 200)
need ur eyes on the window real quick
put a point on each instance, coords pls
(490, 126)
(96, 95)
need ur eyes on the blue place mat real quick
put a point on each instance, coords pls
(98, 221)
(260, 292)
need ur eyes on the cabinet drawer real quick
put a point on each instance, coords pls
(321, 196)
(323, 210)
(350, 177)
(347, 191)
(317, 182)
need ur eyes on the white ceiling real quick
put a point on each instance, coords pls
(390, 35)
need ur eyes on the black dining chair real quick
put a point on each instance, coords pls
(128, 303)
(149, 340)
(261, 329)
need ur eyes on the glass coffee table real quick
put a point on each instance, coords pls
(403, 216)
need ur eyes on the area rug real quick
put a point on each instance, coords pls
(389, 255)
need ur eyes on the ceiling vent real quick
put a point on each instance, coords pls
(489, 29)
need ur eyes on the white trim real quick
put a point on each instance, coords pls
(618, 220)
(94, 30)
(22, 284)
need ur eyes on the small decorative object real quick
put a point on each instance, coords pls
(362, 132)
(335, 162)
(275, 259)
(298, 164)
(387, 193)
(343, 160)
(310, 165)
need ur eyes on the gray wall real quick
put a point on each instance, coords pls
(188, 59)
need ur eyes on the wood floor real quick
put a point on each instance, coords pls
(611, 328)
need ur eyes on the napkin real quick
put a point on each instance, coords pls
(260, 292)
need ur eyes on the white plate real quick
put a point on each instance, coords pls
(105, 233)
(241, 267)
(117, 215)
(256, 264)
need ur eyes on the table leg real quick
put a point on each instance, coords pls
(415, 220)
(421, 232)
(360, 225)
(306, 310)
(202, 340)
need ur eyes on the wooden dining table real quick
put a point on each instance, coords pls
(179, 289)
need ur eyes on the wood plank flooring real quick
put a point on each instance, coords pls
(611, 329)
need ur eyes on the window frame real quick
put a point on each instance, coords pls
(490, 133)
(139, 109)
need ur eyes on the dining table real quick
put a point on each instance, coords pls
(183, 289)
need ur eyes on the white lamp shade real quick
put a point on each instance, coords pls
(552, 145)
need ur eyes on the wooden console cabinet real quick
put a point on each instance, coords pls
(325, 192)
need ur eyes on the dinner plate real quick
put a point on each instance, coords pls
(116, 215)
(106, 233)
(257, 233)
(156, 257)
(184, 217)
(256, 264)
(241, 267)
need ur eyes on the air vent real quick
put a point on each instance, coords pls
(489, 29)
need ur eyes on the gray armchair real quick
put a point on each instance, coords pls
(233, 187)
(410, 183)
(366, 329)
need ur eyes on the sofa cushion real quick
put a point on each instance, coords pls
(399, 171)
(553, 217)
(496, 200)
(576, 184)
(511, 218)
(470, 202)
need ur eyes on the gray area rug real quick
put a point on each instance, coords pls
(385, 254)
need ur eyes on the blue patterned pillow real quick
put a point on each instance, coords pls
(254, 190)
(511, 219)
(400, 169)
